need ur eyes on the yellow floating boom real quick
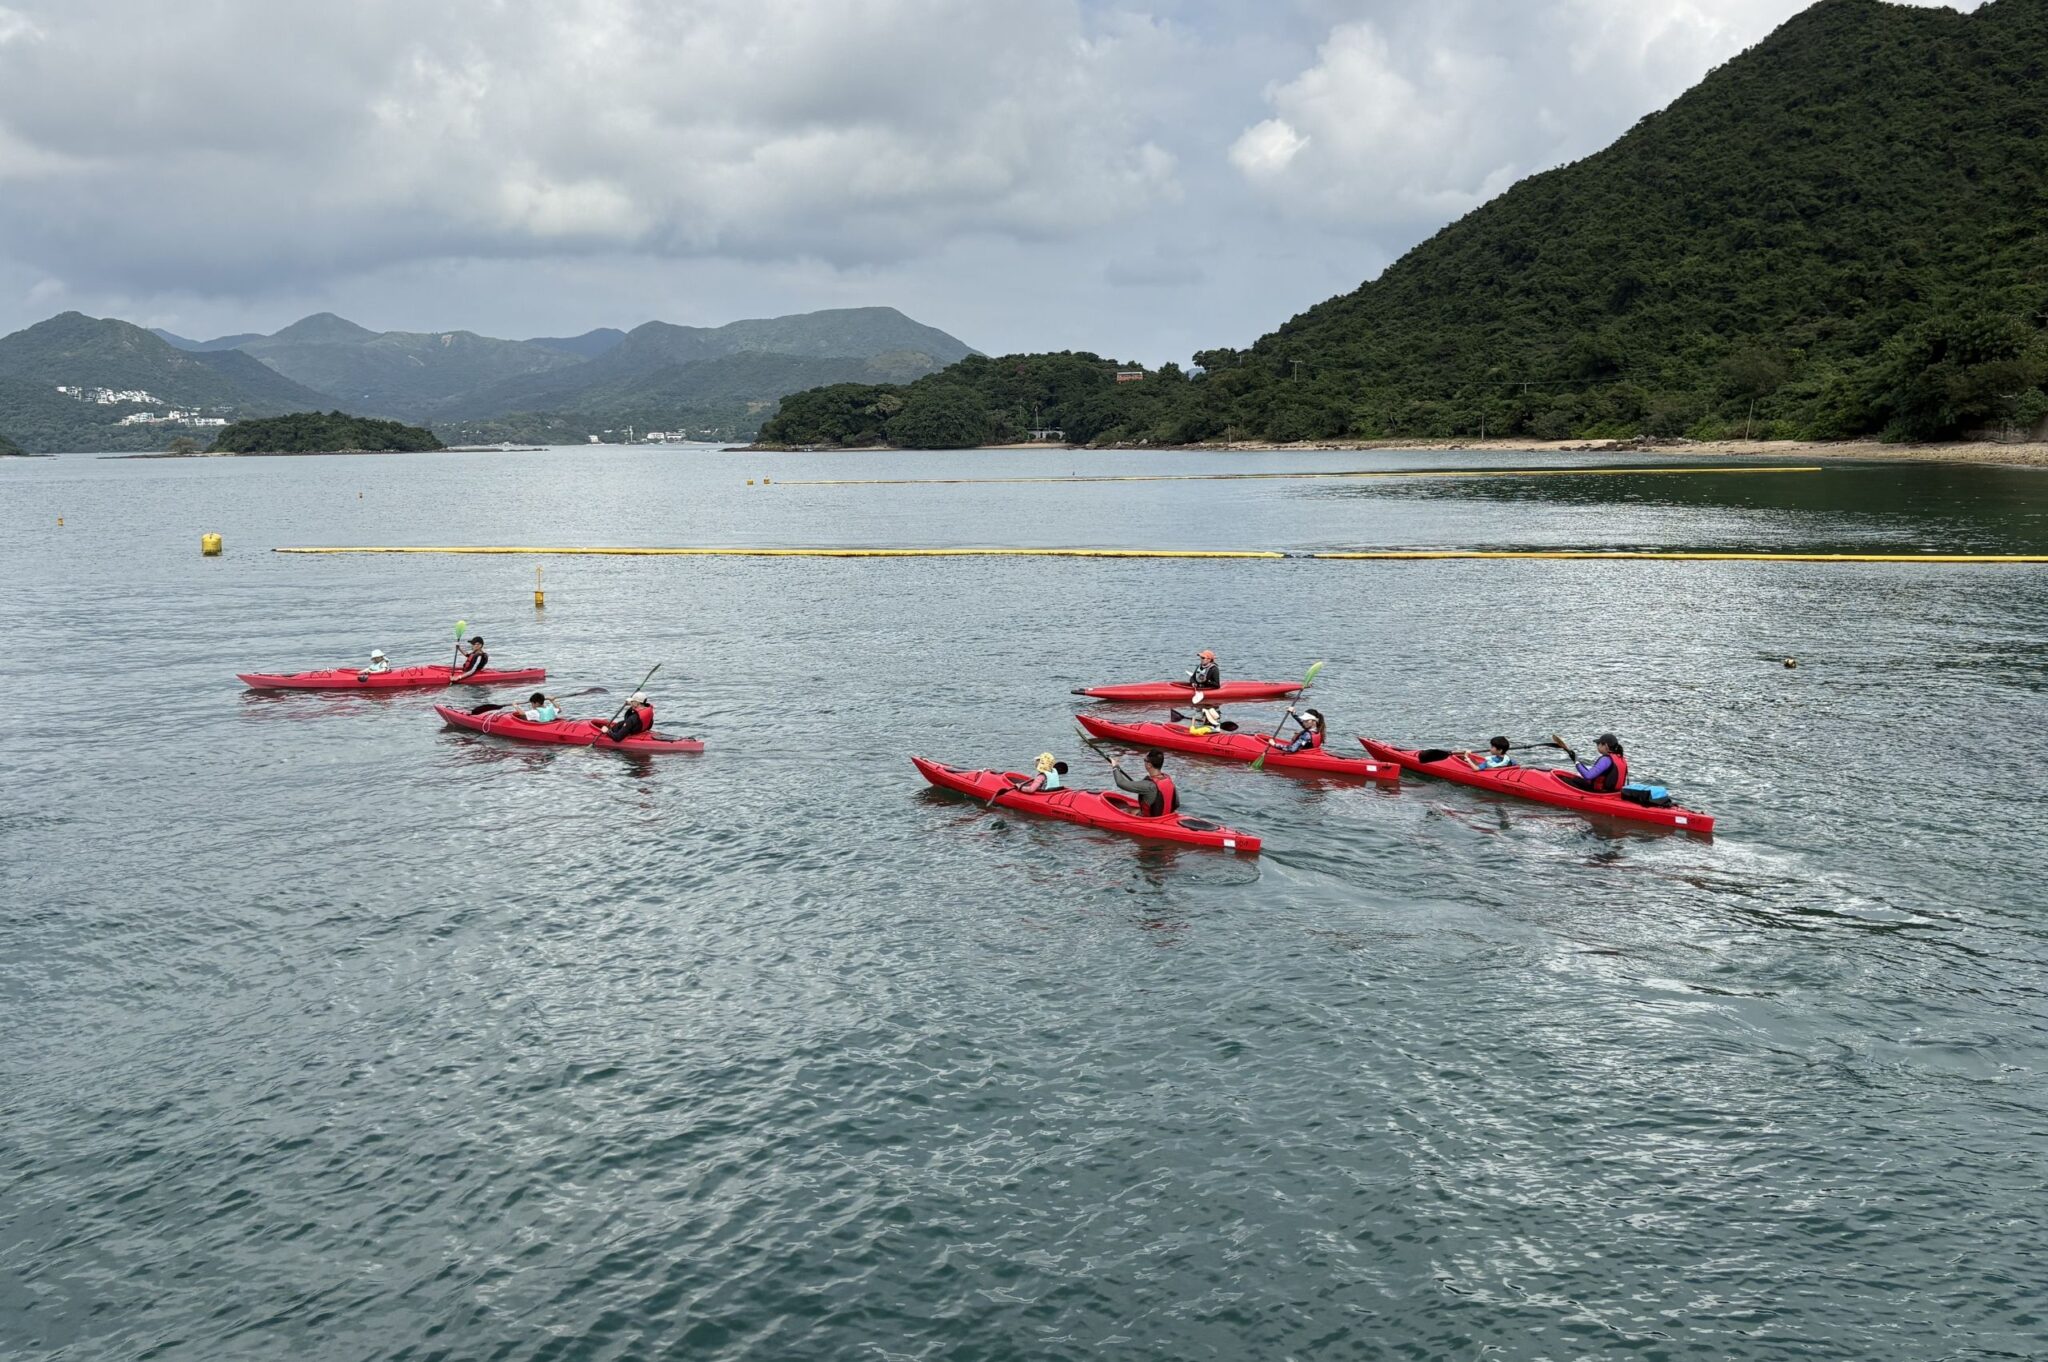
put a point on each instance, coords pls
(1349, 555)
(1656, 470)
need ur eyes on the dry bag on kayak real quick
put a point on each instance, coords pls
(1651, 796)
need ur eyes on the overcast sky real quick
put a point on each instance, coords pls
(1143, 180)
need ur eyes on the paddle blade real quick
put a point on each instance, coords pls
(1315, 670)
(460, 625)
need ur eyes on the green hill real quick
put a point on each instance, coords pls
(87, 355)
(8, 447)
(1840, 232)
(653, 368)
(312, 432)
(398, 373)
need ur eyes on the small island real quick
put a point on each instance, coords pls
(312, 432)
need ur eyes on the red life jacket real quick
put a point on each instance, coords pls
(1169, 801)
(1616, 777)
(646, 713)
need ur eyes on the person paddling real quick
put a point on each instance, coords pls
(540, 709)
(1156, 795)
(1603, 776)
(1496, 756)
(1206, 675)
(1312, 727)
(1047, 779)
(636, 717)
(378, 662)
(471, 658)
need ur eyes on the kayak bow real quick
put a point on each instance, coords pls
(1111, 811)
(1238, 747)
(1543, 786)
(398, 678)
(506, 723)
(1179, 692)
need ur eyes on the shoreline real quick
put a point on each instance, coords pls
(2022, 454)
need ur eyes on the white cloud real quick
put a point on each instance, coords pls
(351, 135)
(1428, 110)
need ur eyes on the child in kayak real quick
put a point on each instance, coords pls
(1205, 720)
(1156, 795)
(1309, 739)
(471, 658)
(1048, 778)
(1603, 776)
(378, 662)
(638, 717)
(1206, 675)
(1495, 758)
(541, 709)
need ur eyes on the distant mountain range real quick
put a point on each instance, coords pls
(716, 382)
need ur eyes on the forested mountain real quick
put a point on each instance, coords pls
(398, 373)
(1842, 231)
(651, 366)
(217, 343)
(8, 446)
(589, 345)
(106, 365)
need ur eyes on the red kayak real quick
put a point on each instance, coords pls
(398, 678)
(1111, 811)
(1238, 747)
(1177, 692)
(1543, 786)
(506, 723)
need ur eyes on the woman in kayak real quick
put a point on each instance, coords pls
(1047, 780)
(1603, 776)
(1495, 758)
(541, 709)
(1156, 795)
(1206, 675)
(378, 662)
(1309, 739)
(471, 658)
(638, 717)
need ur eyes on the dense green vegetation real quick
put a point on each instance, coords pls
(1841, 232)
(8, 446)
(76, 351)
(312, 432)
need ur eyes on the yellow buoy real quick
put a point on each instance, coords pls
(766, 481)
(540, 598)
(60, 522)
(750, 482)
(209, 545)
(1790, 663)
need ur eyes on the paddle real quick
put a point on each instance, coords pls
(1058, 766)
(631, 693)
(587, 690)
(1439, 753)
(1259, 762)
(461, 626)
(1227, 726)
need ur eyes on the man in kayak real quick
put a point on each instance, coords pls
(1309, 739)
(471, 658)
(378, 662)
(1496, 756)
(637, 717)
(540, 709)
(1155, 792)
(1206, 675)
(1050, 769)
(1604, 776)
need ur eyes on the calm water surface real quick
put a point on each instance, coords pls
(331, 1033)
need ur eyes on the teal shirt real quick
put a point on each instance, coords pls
(546, 714)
